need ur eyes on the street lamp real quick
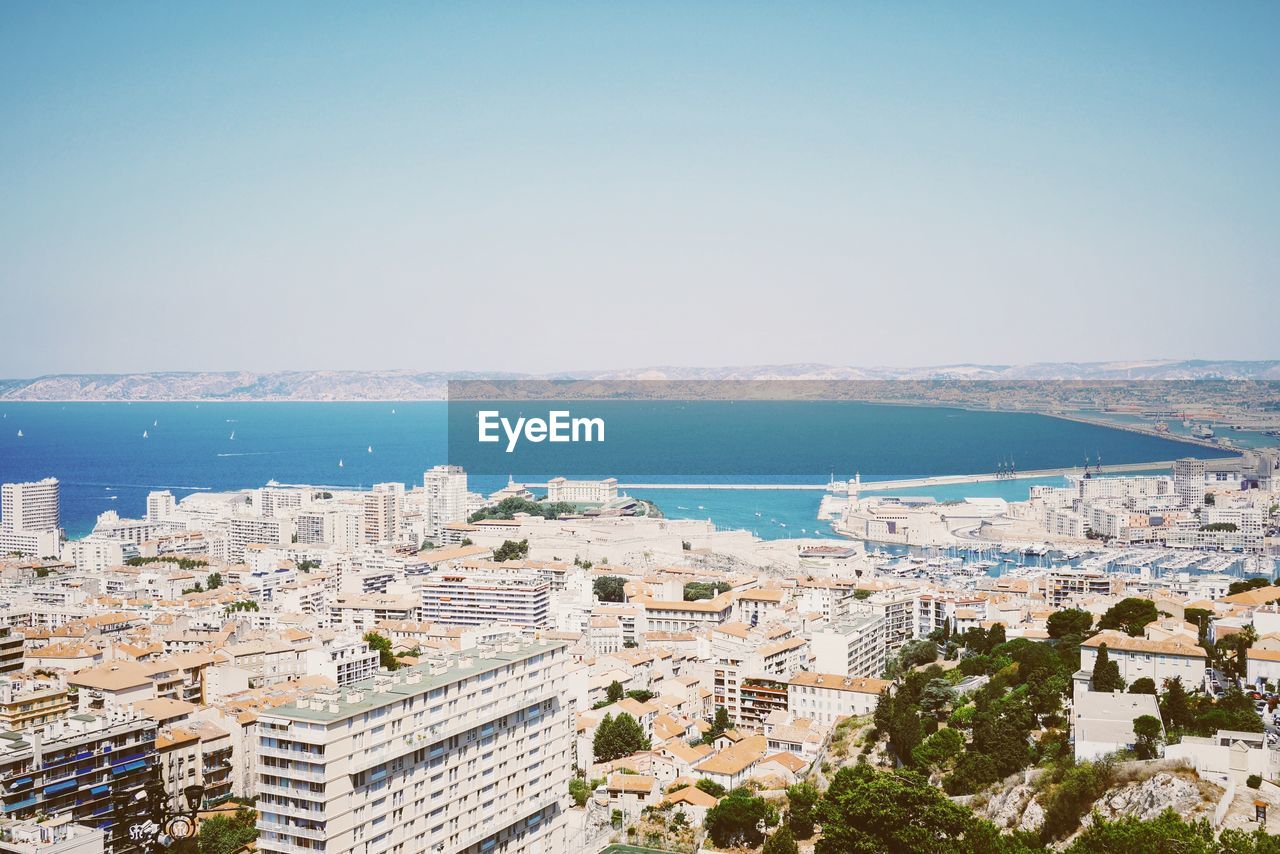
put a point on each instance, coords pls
(153, 823)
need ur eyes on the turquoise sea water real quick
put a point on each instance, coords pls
(99, 453)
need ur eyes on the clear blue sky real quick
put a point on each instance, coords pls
(547, 186)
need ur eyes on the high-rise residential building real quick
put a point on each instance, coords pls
(480, 598)
(1189, 480)
(854, 647)
(29, 517)
(83, 768)
(275, 500)
(160, 505)
(381, 521)
(11, 646)
(245, 529)
(29, 506)
(444, 498)
(469, 755)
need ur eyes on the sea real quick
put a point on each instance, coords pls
(108, 456)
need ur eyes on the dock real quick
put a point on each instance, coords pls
(905, 483)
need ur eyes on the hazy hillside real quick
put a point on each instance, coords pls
(418, 385)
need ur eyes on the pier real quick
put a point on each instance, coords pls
(905, 483)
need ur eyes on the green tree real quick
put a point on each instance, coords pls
(386, 658)
(734, 821)
(1175, 706)
(938, 749)
(917, 652)
(937, 695)
(782, 842)
(904, 730)
(719, 724)
(511, 550)
(213, 581)
(802, 800)
(1129, 615)
(507, 508)
(865, 810)
(618, 737)
(614, 691)
(227, 834)
(1166, 832)
(1106, 673)
(1144, 685)
(1148, 731)
(1070, 795)
(1072, 621)
(609, 588)
(711, 787)
(1200, 618)
(696, 590)
(580, 789)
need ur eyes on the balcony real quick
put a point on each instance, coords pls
(266, 846)
(289, 809)
(292, 755)
(291, 829)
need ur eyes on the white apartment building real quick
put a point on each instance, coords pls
(854, 647)
(667, 615)
(345, 660)
(583, 491)
(443, 499)
(898, 608)
(1247, 535)
(1189, 481)
(1065, 585)
(339, 525)
(478, 598)
(825, 698)
(381, 520)
(273, 500)
(29, 518)
(30, 506)
(1116, 488)
(1139, 657)
(160, 505)
(245, 529)
(95, 554)
(468, 756)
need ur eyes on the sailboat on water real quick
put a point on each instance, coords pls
(19, 434)
(371, 449)
(339, 463)
(233, 436)
(144, 435)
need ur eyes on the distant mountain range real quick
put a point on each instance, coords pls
(419, 385)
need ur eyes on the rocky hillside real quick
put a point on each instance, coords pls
(1143, 793)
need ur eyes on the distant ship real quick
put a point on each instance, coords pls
(19, 434)
(1202, 431)
(144, 434)
(155, 423)
(371, 449)
(1162, 426)
(233, 435)
(339, 463)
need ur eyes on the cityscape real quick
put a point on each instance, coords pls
(665, 428)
